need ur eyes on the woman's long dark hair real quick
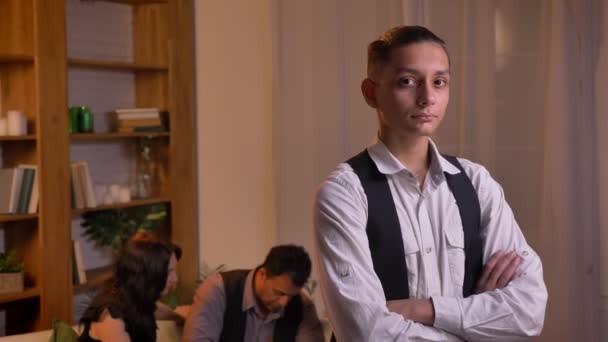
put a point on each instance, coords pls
(140, 275)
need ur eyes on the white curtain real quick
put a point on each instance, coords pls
(529, 101)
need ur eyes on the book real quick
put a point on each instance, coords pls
(140, 122)
(26, 190)
(135, 110)
(77, 191)
(82, 276)
(7, 177)
(75, 278)
(90, 199)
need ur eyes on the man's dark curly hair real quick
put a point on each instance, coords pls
(291, 260)
(379, 51)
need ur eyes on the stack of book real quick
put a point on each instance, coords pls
(139, 120)
(19, 194)
(83, 195)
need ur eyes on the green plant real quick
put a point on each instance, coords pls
(114, 227)
(9, 263)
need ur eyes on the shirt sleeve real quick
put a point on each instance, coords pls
(351, 290)
(310, 329)
(206, 315)
(515, 312)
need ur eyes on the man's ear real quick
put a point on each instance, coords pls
(368, 89)
(262, 272)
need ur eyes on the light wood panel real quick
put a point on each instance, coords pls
(182, 180)
(17, 217)
(16, 29)
(17, 91)
(27, 293)
(150, 34)
(16, 58)
(24, 152)
(55, 214)
(22, 237)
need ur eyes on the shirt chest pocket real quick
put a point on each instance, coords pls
(454, 238)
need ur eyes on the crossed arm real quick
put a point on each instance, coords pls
(506, 306)
(497, 273)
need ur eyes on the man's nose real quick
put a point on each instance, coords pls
(283, 301)
(426, 94)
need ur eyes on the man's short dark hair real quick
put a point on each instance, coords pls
(379, 51)
(291, 260)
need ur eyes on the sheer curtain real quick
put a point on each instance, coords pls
(528, 101)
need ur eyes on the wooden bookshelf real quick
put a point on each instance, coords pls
(115, 66)
(17, 217)
(26, 294)
(133, 203)
(34, 65)
(16, 58)
(29, 137)
(118, 135)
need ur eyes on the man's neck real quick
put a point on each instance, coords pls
(411, 151)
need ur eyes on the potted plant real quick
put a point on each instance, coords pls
(114, 227)
(11, 273)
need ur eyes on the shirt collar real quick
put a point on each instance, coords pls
(388, 164)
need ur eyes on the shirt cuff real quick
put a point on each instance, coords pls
(448, 314)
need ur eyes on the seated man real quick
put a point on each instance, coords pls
(263, 304)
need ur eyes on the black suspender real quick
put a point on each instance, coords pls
(470, 214)
(384, 231)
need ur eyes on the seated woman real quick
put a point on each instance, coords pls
(123, 311)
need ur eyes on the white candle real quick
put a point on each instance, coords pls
(14, 122)
(125, 194)
(3, 126)
(115, 193)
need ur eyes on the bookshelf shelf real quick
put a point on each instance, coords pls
(29, 137)
(134, 203)
(114, 65)
(95, 277)
(16, 58)
(118, 135)
(17, 217)
(28, 293)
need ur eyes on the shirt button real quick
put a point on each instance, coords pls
(344, 273)
(524, 253)
(428, 250)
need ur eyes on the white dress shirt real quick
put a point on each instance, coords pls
(433, 241)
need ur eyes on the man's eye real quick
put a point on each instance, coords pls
(440, 83)
(407, 82)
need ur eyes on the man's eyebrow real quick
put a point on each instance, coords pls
(414, 71)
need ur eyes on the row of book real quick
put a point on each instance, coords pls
(19, 190)
(83, 194)
(131, 120)
(79, 275)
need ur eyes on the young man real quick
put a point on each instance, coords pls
(412, 245)
(264, 304)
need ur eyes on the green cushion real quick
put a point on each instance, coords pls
(62, 332)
